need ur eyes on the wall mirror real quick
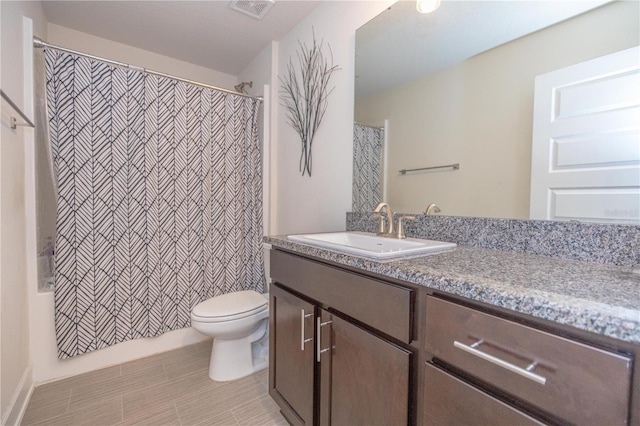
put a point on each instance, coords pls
(457, 86)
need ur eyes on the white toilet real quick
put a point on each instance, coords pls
(238, 323)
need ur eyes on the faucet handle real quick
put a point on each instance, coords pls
(400, 233)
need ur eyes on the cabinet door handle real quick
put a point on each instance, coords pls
(319, 349)
(525, 372)
(302, 338)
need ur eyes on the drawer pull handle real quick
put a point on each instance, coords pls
(502, 363)
(319, 340)
(303, 340)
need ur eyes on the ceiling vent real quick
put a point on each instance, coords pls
(254, 8)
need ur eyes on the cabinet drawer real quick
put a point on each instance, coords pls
(450, 401)
(383, 306)
(576, 382)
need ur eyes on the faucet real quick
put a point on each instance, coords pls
(432, 208)
(385, 230)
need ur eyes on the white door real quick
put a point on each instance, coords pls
(585, 161)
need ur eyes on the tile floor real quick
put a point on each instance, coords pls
(171, 388)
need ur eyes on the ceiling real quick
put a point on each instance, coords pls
(205, 33)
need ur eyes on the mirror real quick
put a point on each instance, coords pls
(457, 85)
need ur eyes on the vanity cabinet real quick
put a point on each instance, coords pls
(328, 363)
(350, 348)
(559, 379)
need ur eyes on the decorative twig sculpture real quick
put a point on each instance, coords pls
(304, 95)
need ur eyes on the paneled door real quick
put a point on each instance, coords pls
(292, 360)
(586, 141)
(364, 379)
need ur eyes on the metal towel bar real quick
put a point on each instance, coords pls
(12, 120)
(455, 166)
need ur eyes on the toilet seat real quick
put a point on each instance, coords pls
(229, 307)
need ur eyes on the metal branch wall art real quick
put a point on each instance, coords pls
(304, 95)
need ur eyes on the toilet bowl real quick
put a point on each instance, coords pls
(238, 323)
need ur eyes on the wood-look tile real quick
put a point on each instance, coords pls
(176, 370)
(163, 395)
(177, 355)
(265, 419)
(204, 347)
(264, 377)
(45, 404)
(172, 388)
(250, 413)
(103, 412)
(117, 386)
(86, 379)
(225, 397)
(224, 418)
(137, 365)
(154, 417)
(184, 352)
(47, 394)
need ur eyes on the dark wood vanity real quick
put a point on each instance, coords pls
(350, 347)
(341, 345)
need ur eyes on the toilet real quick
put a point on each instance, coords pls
(238, 323)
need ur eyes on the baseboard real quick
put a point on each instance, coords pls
(18, 404)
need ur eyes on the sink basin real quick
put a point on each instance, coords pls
(364, 244)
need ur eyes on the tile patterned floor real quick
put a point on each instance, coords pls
(171, 388)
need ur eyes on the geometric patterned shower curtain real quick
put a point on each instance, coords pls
(159, 200)
(367, 167)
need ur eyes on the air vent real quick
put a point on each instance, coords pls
(255, 9)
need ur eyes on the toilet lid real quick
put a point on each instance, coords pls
(230, 304)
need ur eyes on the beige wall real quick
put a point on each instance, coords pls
(479, 113)
(15, 375)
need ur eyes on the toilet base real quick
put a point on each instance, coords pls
(237, 358)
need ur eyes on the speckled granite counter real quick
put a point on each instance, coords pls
(599, 298)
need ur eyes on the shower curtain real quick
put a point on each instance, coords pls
(159, 200)
(367, 167)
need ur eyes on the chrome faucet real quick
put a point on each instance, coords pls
(385, 230)
(432, 208)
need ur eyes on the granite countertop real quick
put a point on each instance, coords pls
(599, 298)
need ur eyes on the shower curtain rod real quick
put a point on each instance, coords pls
(371, 127)
(41, 44)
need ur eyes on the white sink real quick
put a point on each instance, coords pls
(364, 244)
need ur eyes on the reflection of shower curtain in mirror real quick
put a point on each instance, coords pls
(159, 200)
(367, 167)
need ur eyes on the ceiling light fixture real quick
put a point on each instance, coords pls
(427, 6)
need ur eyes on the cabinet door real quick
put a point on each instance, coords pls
(364, 379)
(291, 362)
